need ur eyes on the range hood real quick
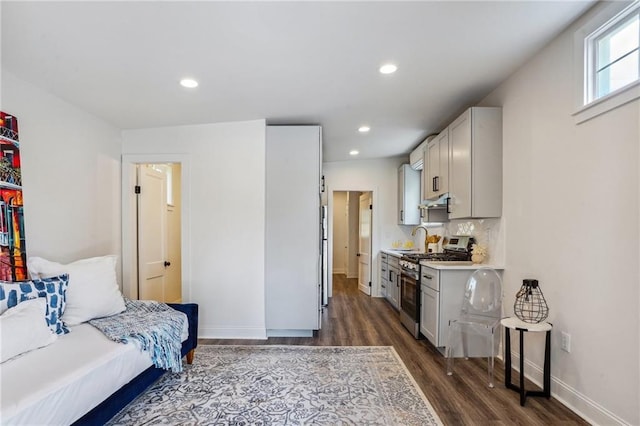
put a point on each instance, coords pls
(440, 203)
(435, 210)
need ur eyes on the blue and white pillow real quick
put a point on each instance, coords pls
(53, 289)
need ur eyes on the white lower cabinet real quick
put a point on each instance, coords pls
(384, 274)
(394, 285)
(442, 291)
(390, 279)
(429, 302)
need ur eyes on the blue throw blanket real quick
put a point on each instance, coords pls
(155, 325)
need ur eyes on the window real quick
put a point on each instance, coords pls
(612, 55)
(608, 49)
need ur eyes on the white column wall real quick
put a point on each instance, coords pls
(571, 212)
(226, 170)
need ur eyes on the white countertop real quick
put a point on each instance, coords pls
(459, 265)
(443, 265)
(398, 253)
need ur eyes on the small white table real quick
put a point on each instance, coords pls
(514, 323)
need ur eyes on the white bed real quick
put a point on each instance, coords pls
(58, 384)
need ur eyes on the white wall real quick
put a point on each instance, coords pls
(226, 169)
(340, 234)
(71, 175)
(571, 212)
(381, 177)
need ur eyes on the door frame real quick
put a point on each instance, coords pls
(129, 223)
(375, 226)
(370, 248)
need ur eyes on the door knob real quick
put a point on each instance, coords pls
(167, 263)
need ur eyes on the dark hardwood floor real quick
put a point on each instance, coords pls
(354, 319)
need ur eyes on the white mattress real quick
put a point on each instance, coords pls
(58, 384)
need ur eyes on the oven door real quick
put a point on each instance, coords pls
(409, 294)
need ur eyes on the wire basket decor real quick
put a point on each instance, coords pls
(530, 305)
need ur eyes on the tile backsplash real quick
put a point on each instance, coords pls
(487, 232)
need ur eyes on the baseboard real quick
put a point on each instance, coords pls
(339, 271)
(577, 402)
(352, 276)
(290, 333)
(231, 333)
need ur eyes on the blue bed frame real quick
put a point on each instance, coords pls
(123, 396)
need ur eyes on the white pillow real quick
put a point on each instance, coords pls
(93, 290)
(24, 328)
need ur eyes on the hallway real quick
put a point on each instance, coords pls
(355, 319)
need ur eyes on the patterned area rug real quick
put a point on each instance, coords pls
(285, 385)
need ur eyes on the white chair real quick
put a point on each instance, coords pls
(476, 332)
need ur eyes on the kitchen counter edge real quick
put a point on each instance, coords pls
(443, 265)
(396, 253)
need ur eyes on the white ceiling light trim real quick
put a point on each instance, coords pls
(189, 83)
(388, 68)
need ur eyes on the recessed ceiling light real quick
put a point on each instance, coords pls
(188, 83)
(354, 152)
(364, 129)
(388, 69)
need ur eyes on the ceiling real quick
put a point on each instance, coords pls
(288, 62)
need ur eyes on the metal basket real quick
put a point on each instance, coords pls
(530, 305)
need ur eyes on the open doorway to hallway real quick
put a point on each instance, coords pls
(351, 236)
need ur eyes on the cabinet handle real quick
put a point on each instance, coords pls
(433, 184)
(167, 263)
(429, 277)
(436, 184)
(401, 215)
(448, 204)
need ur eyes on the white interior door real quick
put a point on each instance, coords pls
(152, 207)
(364, 245)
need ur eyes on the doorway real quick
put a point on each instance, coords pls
(154, 227)
(351, 236)
(158, 232)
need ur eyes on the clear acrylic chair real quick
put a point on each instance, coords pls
(476, 332)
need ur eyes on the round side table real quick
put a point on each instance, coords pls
(513, 323)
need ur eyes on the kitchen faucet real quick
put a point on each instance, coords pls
(426, 236)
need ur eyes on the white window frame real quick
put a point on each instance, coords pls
(602, 18)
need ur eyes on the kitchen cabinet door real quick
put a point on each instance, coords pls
(475, 164)
(436, 180)
(384, 274)
(429, 313)
(408, 195)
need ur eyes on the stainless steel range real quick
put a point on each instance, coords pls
(458, 249)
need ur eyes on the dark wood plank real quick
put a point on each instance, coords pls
(354, 319)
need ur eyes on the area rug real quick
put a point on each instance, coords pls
(285, 385)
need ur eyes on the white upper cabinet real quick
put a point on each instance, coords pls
(475, 164)
(436, 173)
(408, 195)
